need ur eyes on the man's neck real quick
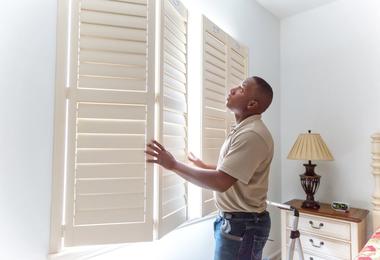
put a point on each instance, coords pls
(240, 118)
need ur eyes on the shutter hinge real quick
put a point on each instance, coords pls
(63, 230)
(185, 196)
(67, 92)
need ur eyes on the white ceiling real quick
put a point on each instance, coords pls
(285, 8)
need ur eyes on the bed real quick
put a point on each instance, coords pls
(371, 249)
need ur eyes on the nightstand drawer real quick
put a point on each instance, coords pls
(308, 256)
(322, 226)
(311, 256)
(324, 246)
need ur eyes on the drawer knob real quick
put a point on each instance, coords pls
(314, 245)
(316, 227)
(311, 258)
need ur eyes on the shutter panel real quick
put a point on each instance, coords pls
(237, 63)
(173, 111)
(214, 111)
(237, 69)
(111, 115)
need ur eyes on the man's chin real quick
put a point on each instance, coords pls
(229, 107)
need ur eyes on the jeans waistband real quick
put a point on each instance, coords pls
(242, 215)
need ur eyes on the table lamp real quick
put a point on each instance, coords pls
(310, 147)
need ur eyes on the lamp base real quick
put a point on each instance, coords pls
(310, 183)
(310, 204)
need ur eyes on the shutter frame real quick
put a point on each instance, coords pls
(57, 199)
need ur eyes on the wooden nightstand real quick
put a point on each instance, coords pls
(326, 234)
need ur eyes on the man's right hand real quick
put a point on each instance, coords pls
(195, 160)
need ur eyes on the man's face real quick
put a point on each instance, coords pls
(240, 96)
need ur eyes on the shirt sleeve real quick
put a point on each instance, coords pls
(247, 151)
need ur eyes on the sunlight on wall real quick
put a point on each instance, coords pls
(194, 101)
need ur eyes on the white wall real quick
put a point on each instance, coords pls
(27, 82)
(27, 64)
(330, 81)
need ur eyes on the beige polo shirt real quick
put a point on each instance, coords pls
(246, 155)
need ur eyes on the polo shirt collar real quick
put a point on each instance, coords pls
(246, 121)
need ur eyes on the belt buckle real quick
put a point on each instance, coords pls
(227, 215)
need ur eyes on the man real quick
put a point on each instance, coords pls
(241, 177)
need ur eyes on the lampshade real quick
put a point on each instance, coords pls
(311, 147)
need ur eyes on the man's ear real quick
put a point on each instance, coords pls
(253, 104)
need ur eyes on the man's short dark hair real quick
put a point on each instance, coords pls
(266, 89)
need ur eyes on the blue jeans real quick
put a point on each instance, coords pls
(241, 237)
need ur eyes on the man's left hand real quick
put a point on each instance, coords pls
(160, 155)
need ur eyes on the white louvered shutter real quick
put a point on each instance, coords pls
(214, 111)
(111, 116)
(237, 63)
(173, 111)
(237, 69)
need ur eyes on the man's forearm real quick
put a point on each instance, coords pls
(209, 166)
(205, 178)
